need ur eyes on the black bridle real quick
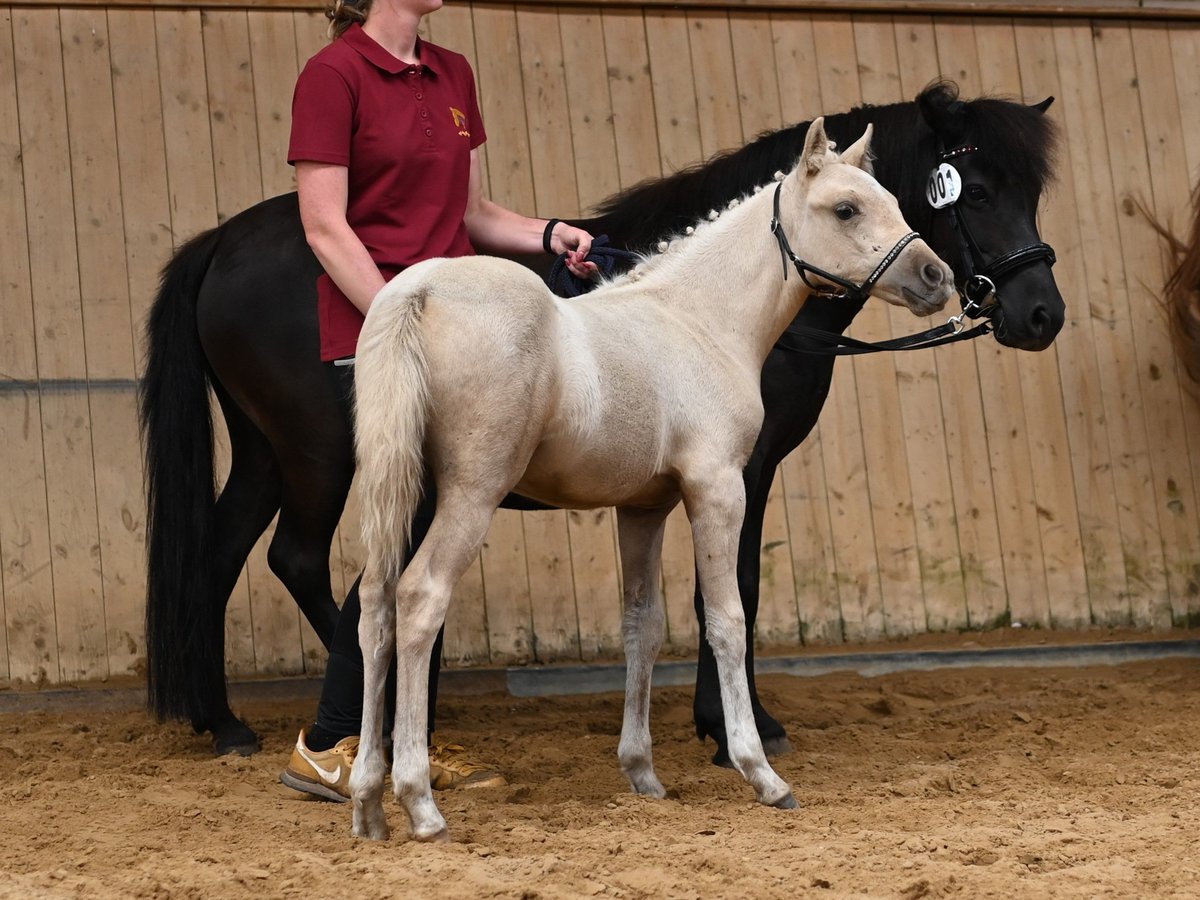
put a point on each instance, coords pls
(979, 294)
(849, 290)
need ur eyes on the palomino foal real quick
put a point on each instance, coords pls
(638, 395)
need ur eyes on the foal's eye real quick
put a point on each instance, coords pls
(977, 193)
(845, 211)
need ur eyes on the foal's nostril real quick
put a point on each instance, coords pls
(1039, 319)
(933, 275)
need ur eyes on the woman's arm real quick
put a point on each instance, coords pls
(323, 191)
(495, 229)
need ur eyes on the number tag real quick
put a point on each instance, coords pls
(944, 187)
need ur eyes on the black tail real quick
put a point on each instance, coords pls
(183, 649)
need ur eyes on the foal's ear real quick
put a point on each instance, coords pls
(816, 147)
(859, 153)
(1044, 105)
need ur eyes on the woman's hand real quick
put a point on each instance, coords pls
(575, 242)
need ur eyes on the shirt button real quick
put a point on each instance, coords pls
(418, 95)
(424, 114)
(428, 132)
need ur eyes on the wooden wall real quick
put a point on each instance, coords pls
(965, 487)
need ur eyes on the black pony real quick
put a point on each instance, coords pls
(236, 312)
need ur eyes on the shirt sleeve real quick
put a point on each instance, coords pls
(478, 134)
(322, 117)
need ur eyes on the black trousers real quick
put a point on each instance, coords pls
(339, 713)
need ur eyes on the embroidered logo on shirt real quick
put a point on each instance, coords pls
(460, 121)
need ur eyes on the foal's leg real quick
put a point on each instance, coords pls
(376, 635)
(716, 504)
(709, 717)
(459, 528)
(640, 534)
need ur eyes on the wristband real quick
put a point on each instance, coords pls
(546, 235)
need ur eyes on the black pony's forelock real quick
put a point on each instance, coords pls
(1010, 136)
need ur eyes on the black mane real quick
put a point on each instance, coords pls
(1011, 137)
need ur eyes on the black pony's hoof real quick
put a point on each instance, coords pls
(241, 740)
(777, 746)
(774, 746)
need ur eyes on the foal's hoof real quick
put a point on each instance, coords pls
(442, 836)
(787, 801)
(240, 739)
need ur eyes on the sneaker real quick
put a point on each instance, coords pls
(449, 768)
(321, 773)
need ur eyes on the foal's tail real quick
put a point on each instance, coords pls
(177, 436)
(391, 386)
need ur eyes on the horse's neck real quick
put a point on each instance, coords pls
(727, 278)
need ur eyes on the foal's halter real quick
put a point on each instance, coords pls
(849, 290)
(979, 294)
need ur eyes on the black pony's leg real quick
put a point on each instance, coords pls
(247, 502)
(709, 716)
(316, 480)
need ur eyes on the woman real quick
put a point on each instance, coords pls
(385, 139)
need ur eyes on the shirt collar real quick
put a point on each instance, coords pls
(373, 53)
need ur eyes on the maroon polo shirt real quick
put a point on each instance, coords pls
(405, 133)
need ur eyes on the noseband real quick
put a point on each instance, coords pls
(849, 290)
(979, 294)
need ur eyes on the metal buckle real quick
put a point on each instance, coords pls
(976, 292)
(959, 322)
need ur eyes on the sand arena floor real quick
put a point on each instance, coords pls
(967, 783)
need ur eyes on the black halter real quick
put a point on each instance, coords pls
(979, 294)
(849, 290)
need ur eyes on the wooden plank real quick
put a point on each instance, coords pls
(1185, 53)
(806, 499)
(237, 171)
(589, 108)
(1151, 161)
(108, 331)
(1077, 510)
(229, 75)
(543, 78)
(757, 83)
(632, 95)
(466, 641)
(671, 80)
(778, 618)
(1003, 405)
(595, 567)
(966, 436)
(679, 585)
(940, 556)
(193, 206)
(678, 130)
(1108, 310)
(1126, 9)
(715, 82)
(891, 489)
(846, 466)
(556, 622)
(66, 431)
(145, 209)
(274, 66)
(31, 652)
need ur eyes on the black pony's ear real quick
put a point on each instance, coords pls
(1044, 105)
(942, 110)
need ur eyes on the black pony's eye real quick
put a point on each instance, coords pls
(976, 193)
(845, 211)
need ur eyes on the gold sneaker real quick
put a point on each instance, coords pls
(450, 769)
(321, 773)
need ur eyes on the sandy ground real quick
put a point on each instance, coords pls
(967, 783)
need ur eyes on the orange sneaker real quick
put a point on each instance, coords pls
(321, 773)
(451, 769)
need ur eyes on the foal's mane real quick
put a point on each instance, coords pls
(1012, 137)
